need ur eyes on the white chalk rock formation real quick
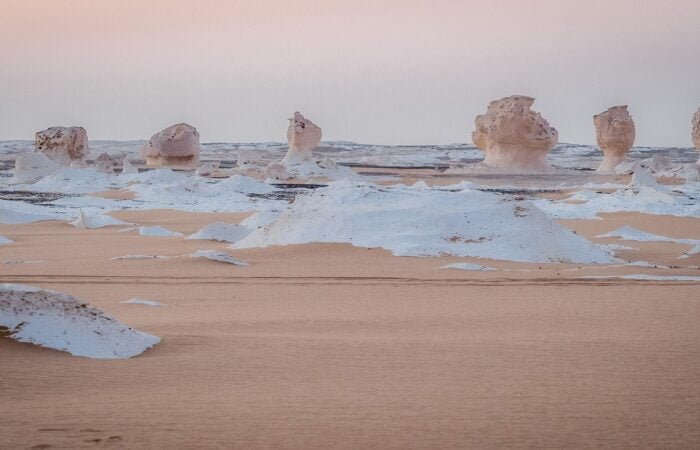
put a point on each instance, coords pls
(175, 147)
(105, 163)
(303, 137)
(277, 171)
(615, 133)
(31, 167)
(514, 137)
(63, 145)
(208, 169)
(59, 321)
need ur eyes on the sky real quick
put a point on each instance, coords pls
(370, 71)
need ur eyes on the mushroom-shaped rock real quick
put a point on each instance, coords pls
(176, 147)
(63, 145)
(696, 130)
(513, 136)
(615, 133)
(303, 137)
(31, 167)
(277, 171)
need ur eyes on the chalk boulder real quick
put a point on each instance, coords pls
(176, 147)
(514, 137)
(303, 137)
(615, 133)
(32, 167)
(63, 145)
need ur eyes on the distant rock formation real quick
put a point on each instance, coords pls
(31, 167)
(696, 130)
(175, 147)
(303, 137)
(514, 137)
(63, 145)
(615, 133)
(105, 163)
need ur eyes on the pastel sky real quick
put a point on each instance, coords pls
(372, 71)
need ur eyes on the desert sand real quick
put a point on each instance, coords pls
(333, 346)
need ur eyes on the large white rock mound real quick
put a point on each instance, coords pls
(514, 137)
(63, 145)
(303, 137)
(59, 321)
(422, 221)
(32, 167)
(175, 147)
(615, 133)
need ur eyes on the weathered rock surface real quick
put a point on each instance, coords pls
(175, 147)
(303, 137)
(63, 145)
(615, 133)
(62, 322)
(514, 137)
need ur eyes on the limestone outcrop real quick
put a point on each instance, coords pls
(514, 137)
(175, 147)
(303, 137)
(615, 133)
(63, 145)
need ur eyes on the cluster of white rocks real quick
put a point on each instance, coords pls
(513, 137)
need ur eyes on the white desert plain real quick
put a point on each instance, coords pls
(517, 293)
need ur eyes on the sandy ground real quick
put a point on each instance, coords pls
(331, 346)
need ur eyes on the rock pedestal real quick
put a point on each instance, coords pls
(615, 133)
(303, 137)
(514, 137)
